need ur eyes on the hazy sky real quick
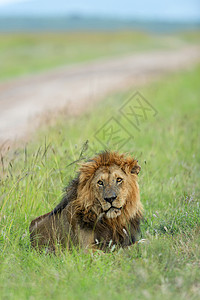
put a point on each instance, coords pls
(169, 9)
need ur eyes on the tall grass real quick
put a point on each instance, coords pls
(167, 146)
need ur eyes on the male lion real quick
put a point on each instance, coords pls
(101, 207)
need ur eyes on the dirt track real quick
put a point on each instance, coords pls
(23, 99)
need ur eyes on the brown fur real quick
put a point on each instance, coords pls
(101, 207)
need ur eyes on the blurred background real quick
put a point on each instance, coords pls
(41, 35)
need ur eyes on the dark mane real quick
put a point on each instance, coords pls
(70, 195)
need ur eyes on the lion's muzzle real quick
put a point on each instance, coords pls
(113, 212)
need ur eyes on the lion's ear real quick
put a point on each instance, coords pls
(136, 169)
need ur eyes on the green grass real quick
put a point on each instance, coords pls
(167, 146)
(23, 54)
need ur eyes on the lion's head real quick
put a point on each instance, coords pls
(108, 187)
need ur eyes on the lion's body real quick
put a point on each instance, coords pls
(101, 207)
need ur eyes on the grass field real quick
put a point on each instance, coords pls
(167, 146)
(23, 54)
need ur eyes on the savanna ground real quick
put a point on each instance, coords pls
(167, 145)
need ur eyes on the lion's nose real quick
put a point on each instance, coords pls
(110, 199)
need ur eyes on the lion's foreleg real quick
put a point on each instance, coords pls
(86, 239)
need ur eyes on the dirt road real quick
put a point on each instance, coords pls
(23, 99)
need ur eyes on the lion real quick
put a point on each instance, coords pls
(100, 209)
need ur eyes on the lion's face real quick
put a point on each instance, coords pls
(111, 187)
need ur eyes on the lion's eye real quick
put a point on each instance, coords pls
(100, 182)
(119, 179)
